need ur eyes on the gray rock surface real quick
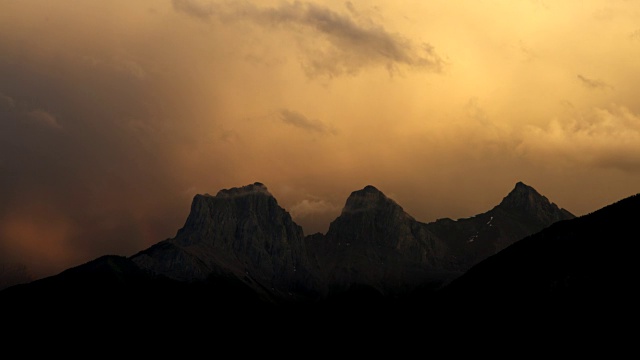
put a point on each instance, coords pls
(240, 233)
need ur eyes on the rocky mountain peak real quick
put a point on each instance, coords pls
(252, 189)
(366, 199)
(523, 197)
(249, 201)
(526, 200)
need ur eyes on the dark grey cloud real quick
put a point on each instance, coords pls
(594, 83)
(298, 120)
(337, 44)
(194, 8)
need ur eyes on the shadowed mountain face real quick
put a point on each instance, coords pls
(374, 243)
(585, 263)
(574, 277)
(521, 213)
(240, 234)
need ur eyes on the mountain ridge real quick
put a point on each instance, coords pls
(243, 236)
(575, 276)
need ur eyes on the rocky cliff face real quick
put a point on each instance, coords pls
(375, 243)
(240, 233)
(525, 203)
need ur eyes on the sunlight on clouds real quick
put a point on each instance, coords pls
(603, 137)
(311, 207)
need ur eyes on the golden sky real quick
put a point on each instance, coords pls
(114, 114)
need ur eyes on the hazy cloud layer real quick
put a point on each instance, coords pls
(335, 43)
(606, 137)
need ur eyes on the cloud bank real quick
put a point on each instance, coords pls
(603, 137)
(333, 44)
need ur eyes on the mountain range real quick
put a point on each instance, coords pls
(240, 255)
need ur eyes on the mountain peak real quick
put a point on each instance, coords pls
(367, 198)
(370, 189)
(255, 188)
(522, 196)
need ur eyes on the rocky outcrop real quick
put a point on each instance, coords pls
(240, 233)
(374, 243)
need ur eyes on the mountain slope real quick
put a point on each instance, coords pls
(521, 213)
(581, 266)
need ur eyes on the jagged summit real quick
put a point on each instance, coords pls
(255, 188)
(371, 188)
(368, 198)
(524, 199)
